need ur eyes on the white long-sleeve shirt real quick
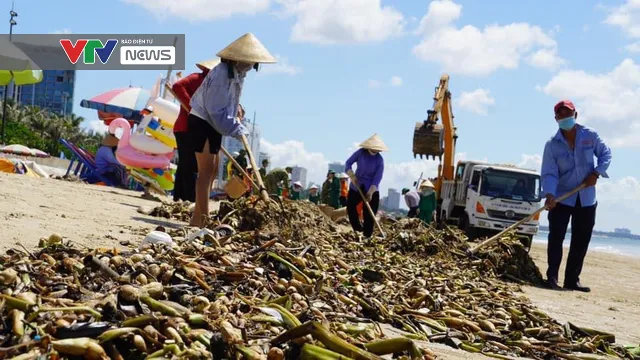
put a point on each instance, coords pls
(412, 199)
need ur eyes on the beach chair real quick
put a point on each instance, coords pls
(85, 167)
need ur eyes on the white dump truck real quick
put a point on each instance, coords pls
(486, 198)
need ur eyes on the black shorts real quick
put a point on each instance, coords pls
(199, 132)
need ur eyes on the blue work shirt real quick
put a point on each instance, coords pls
(564, 169)
(216, 101)
(369, 171)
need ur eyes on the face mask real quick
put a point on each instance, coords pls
(567, 123)
(243, 67)
(427, 191)
(372, 152)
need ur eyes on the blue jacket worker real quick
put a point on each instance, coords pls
(568, 162)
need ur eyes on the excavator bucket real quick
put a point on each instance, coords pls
(428, 140)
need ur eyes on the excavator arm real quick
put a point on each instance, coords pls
(433, 138)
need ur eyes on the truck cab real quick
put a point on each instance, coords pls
(486, 198)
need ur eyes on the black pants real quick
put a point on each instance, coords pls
(343, 201)
(582, 221)
(413, 212)
(353, 200)
(185, 179)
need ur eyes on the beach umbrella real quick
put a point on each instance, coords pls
(40, 153)
(18, 149)
(125, 101)
(12, 58)
(26, 77)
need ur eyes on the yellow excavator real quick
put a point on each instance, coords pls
(433, 139)
(476, 196)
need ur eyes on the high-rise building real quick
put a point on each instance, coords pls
(234, 145)
(338, 167)
(299, 173)
(393, 199)
(54, 93)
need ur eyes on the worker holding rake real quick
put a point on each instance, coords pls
(567, 163)
(364, 183)
(214, 108)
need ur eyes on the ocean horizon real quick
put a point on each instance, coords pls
(612, 245)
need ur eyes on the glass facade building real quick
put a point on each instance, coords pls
(54, 93)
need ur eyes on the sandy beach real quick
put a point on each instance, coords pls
(97, 216)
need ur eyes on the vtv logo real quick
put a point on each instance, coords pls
(90, 47)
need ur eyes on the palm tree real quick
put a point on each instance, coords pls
(58, 128)
(35, 127)
(38, 120)
(14, 112)
(74, 120)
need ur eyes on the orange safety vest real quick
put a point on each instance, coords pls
(285, 193)
(344, 188)
(359, 208)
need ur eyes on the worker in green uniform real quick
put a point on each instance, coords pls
(427, 206)
(263, 169)
(314, 196)
(331, 190)
(296, 190)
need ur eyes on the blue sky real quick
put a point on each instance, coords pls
(349, 68)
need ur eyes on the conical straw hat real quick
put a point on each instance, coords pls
(247, 49)
(208, 64)
(428, 184)
(374, 143)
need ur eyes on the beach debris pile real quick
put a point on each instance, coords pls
(277, 283)
(180, 210)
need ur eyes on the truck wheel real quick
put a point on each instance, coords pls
(468, 230)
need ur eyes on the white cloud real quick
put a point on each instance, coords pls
(533, 162)
(281, 67)
(342, 22)
(626, 17)
(201, 10)
(439, 14)
(633, 48)
(291, 153)
(62, 31)
(477, 101)
(97, 126)
(374, 84)
(396, 81)
(606, 101)
(479, 52)
(546, 59)
(618, 203)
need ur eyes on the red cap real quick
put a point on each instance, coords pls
(564, 103)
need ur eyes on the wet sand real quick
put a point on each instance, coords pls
(98, 216)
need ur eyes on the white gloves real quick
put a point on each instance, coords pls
(372, 190)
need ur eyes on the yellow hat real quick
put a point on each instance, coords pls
(374, 143)
(247, 48)
(208, 64)
(427, 184)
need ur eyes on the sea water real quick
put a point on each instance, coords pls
(612, 245)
